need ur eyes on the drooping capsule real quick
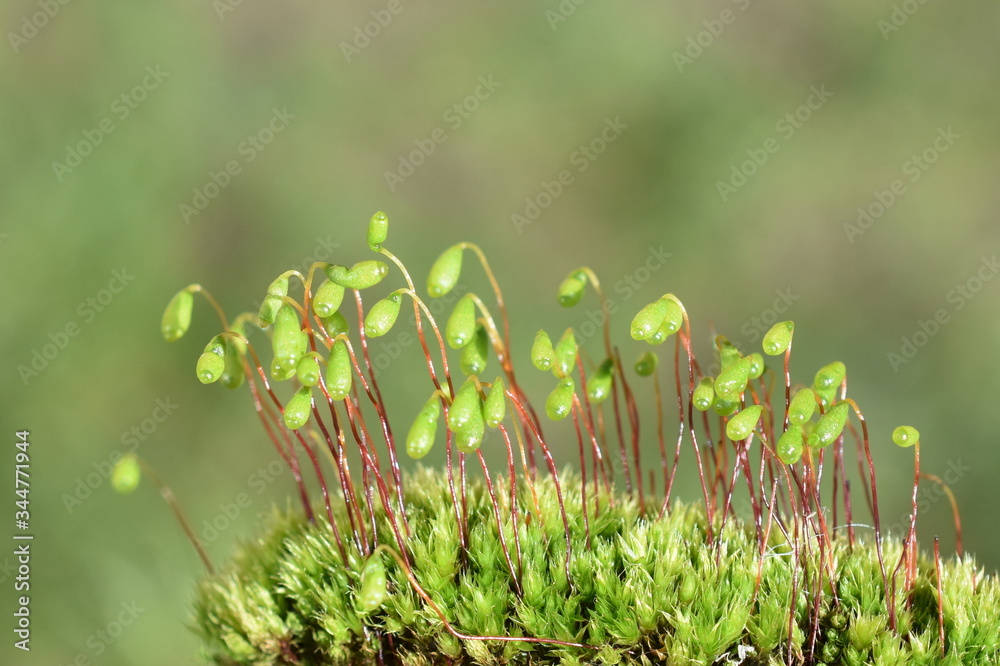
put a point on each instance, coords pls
(335, 324)
(905, 436)
(704, 394)
(600, 384)
(673, 317)
(742, 425)
(327, 298)
(461, 326)
(778, 338)
(378, 230)
(495, 405)
(560, 401)
(646, 364)
(233, 374)
(756, 365)
(287, 339)
(374, 584)
(565, 354)
(269, 310)
(382, 316)
(789, 447)
(802, 406)
(732, 381)
(648, 319)
(212, 362)
(826, 396)
(725, 406)
(126, 474)
(420, 439)
(831, 425)
(361, 275)
(339, 373)
(470, 439)
(466, 408)
(830, 376)
(282, 372)
(307, 370)
(445, 272)
(474, 356)
(298, 408)
(177, 316)
(572, 288)
(542, 353)
(728, 353)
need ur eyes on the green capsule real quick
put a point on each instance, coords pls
(361, 275)
(461, 326)
(298, 408)
(724, 406)
(327, 299)
(307, 370)
(281, 372)
(560, 401)
(269, 310)
(467, 407)
(565, 354)
(802, 406)
(673, 318)
(383, 315)
(646, 365)
(905, 436)
(572, 288)
(704, 394)
(468, 441)
(542, 353)
(233, 374)
(779, 338)
(495, 405)
(756, 365)
(335, 324)
(831, 425)
(286, 339)
(649, 319)
(474, 355)
(742, 425)
(732, 381)
(374, 584)
(339, 373)
(601, 382)
(420, 439)
(212, 362)
(126, 474)
(830, 376)
(445, 271)
(826, 395)
(789, 448)
(177, 316)
(378, 229)
(728, 354)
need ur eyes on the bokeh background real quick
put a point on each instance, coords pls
(116, 115)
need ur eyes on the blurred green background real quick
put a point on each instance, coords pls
(116, 116)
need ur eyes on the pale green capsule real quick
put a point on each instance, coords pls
(789, 447)
(495, 405)
(725, 407)
(126, 474)
(732, 381)
(565, 354)
(742, 425)
(307, 370)
(298, 408)
(269, 310)
(286, 339)
(468, 441)
(467, 407)
(374, 584)
(461, 326)
(905, 436)
(279, 286)
(572, 288)
(542, 353)
(378, 230)
(560, 401)
(601, 382)
(339, 373)
(361, 275)
(831, 425)
(826, 395)
(177, 316)
(802, 406)
(704, 394)
(728, 354)
(777, 340)
(649, 319)
(335, 324)
(756, 365)
(212, 362)
(233, 375)
(420, 439)
(445, 271)
(646, 365)
(327, 299)
(673, 317)
(382, 316)
(474, 355)
(282, 372)
(830, 376)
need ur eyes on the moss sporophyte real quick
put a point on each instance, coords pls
(537, 562)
